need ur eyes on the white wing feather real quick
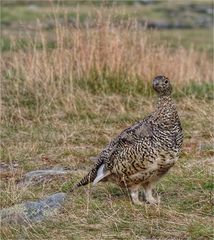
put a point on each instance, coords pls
(100, 174)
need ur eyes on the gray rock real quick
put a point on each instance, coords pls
(9, 170)
(35, 177)
(29, 212)
(33, 7)
(94, 159)
(4, 167)
(146, 1)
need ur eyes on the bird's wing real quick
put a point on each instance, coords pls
(128, 138)
(130, 135)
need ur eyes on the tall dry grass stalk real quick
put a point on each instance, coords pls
(119, 55)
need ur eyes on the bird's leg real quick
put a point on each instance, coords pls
(134, 190)
(148, 194)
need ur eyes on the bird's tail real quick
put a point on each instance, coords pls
(86, 180)
(97, 173)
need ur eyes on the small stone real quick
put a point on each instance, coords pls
(30, 211)
(38, 176)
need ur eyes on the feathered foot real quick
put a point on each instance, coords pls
(148, 195)
(134, 190)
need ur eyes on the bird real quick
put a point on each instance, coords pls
(144, 152)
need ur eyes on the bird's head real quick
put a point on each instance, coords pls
(162, 86)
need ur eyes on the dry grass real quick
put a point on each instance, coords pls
(105, 59)
(60, 106)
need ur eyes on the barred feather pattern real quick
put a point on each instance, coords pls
(145, 151)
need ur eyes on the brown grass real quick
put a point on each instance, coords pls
(106, 56)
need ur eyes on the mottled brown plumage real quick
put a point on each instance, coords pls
(144, 152)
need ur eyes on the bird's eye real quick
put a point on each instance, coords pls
(166, 81)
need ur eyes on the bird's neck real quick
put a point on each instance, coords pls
(165, 112)
(164, 102)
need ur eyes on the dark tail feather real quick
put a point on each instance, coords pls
(86, 180)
